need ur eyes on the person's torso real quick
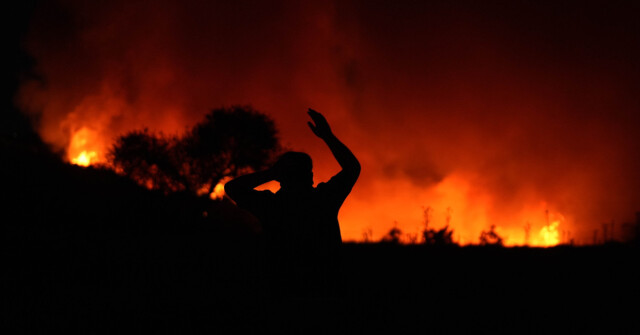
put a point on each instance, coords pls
(304, 220)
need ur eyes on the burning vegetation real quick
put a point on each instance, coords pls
(463, 109)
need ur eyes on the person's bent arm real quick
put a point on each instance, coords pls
(243, 185)
(347, 160)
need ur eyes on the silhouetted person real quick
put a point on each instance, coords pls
(300, 221)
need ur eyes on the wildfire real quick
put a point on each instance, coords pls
(549, 235)
(458, 203)
(218, 191)
(84, 158)
(83, 147)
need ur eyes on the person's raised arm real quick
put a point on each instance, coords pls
(347, 160)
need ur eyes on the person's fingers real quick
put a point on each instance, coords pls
(318, 119)
(313, 116)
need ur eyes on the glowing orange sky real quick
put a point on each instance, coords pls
(497, 111)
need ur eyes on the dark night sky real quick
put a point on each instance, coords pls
(496, 109)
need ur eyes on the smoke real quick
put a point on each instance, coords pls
(497, 111)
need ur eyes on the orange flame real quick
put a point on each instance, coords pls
(549, 235)
(455, 192)
(82, 149)
(218, 190)
(84, 158)
(455, 201)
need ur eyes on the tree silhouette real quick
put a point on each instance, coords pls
(229, 142)
(149, 159)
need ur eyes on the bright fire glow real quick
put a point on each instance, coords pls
(218, 191)
(468, 209)
(84, 158)
(412, 101)
(469, 214)
(549, 235)
(83, 149)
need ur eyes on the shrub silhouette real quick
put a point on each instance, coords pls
(436, 237)
(229, 142)
(491, 237)
(393, 235)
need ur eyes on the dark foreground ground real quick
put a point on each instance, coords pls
(192, 283)
(85, 251)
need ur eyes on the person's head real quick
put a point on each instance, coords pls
(295, 170)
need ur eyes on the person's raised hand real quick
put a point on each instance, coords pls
(319, 126)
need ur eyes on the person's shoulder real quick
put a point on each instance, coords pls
(340, 184)
(341, 178)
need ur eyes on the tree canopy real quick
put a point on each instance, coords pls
(229, 142)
